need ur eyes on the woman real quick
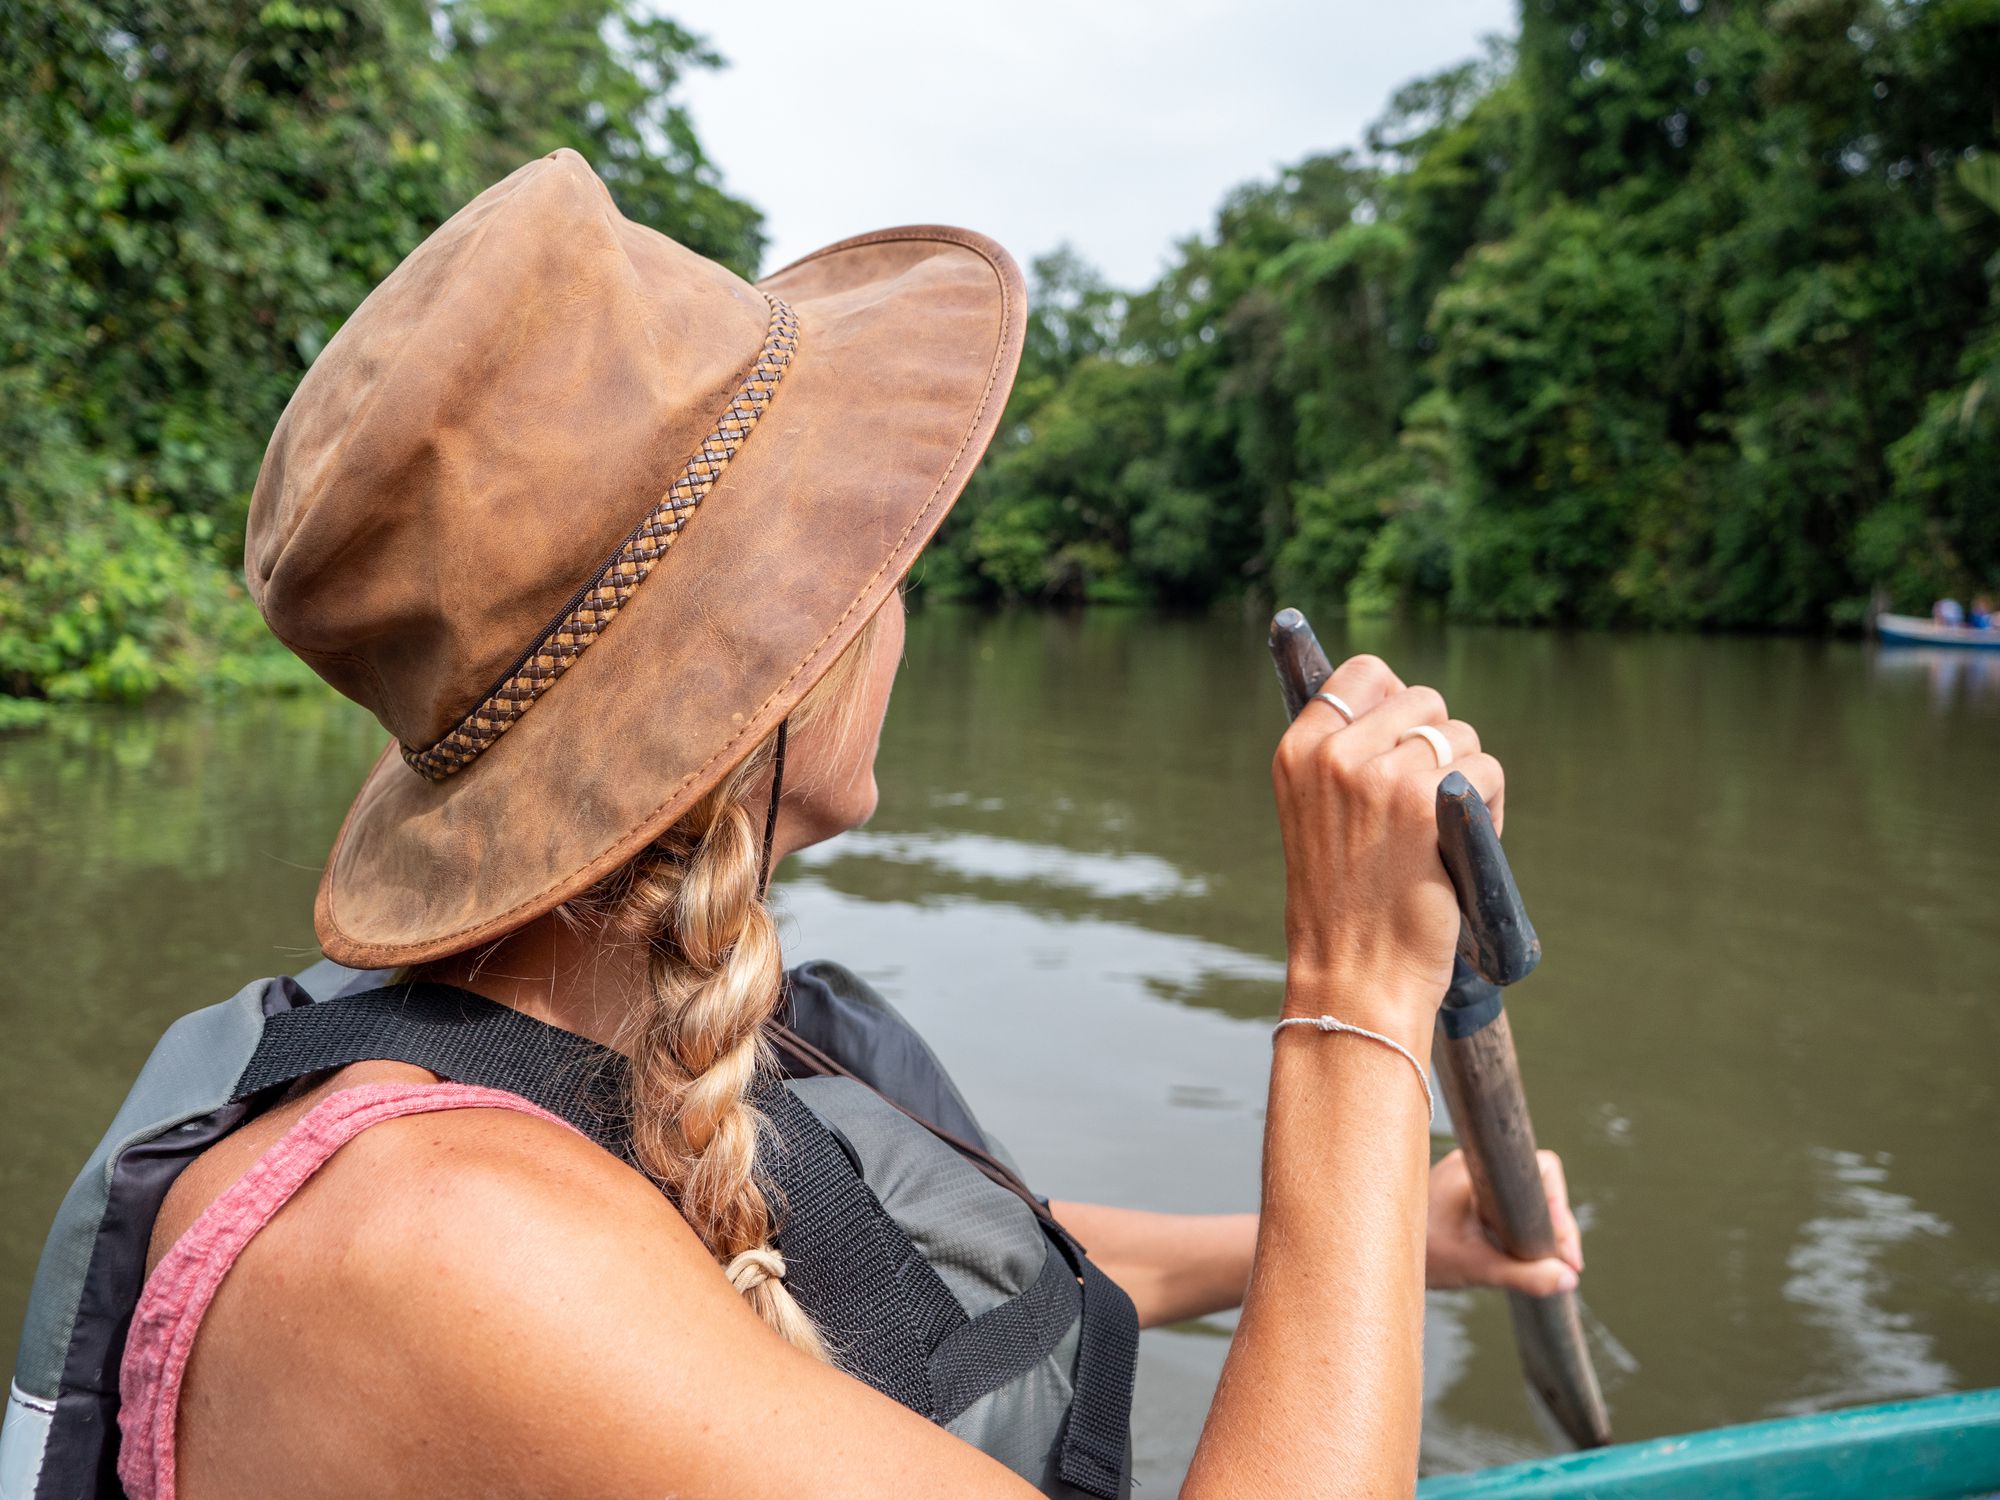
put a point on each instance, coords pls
(611, 541)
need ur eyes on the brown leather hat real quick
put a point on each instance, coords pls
(581, 515)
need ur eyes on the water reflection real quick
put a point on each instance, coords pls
(1453, 1443)
(1839, 1277)
(977, 859)
(1950, 676)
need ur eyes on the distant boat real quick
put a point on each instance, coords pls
(1915, 630)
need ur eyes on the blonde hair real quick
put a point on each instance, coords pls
(695, 899)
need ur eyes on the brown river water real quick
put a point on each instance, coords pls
(1766, 874)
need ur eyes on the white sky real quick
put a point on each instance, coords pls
(1117, 125)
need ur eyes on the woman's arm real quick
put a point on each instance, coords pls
(1322, 1391)
(1180, 1266)
(1173, 1266)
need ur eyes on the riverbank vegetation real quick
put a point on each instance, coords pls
(1667, 313)
(1673, 314)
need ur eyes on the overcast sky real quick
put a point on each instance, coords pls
(1117, 125)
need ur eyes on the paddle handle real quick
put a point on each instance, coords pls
(1495, 936)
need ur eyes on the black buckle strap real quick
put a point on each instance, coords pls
(1097, 1432)
(853, 1269)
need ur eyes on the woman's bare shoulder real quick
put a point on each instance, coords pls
(426, 1269)
(473, 1197)
(482, 1301)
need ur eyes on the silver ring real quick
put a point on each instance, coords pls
(1440, 746)
(1338, 704)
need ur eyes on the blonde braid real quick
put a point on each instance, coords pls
(698, 1043)
(697, 1038)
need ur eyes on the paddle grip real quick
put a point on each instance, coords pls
(1495, 936)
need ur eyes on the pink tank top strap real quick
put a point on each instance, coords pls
(181, 1287)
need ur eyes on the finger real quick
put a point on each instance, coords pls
(1569, 1234)
(1532, 1278)
(1415, 755)
(1488, 778)
(1375, 732)
(1361, 682)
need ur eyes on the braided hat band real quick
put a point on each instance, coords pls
(586, 616)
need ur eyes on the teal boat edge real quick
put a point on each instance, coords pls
(1937, 1447)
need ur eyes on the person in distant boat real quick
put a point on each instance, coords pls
(1980, 616)
(1948, 612)
(563, 1187)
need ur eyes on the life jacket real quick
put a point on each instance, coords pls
(906, 1232)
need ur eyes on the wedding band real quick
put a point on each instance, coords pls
(1440, 746)
(1338, 704)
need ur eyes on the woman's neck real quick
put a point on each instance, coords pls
(555, 972)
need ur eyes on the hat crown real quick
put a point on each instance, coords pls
(481, 436)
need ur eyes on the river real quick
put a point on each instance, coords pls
(1766, 874)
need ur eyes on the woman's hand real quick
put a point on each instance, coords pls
(1458, 1253)
(1370, 916)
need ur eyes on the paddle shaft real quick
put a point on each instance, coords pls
(1474, 1054)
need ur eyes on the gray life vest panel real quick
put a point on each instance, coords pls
(906, 1232)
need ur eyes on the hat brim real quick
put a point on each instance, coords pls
(908, 344)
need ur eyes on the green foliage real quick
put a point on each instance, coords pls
(1676, 314)
(1380, 533)
(1551, 344)
(1072, 502)
(23, 713)
(597, 76)
(124, 603)
(1945, 474)
(193, 198)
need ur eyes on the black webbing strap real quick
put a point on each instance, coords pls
(457, 1035)
(803, 1056)
(1007, 1341)
(985, 1355)
(852, 1268)
(1098, 1432)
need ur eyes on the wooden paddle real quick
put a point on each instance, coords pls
(1474, 1051)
